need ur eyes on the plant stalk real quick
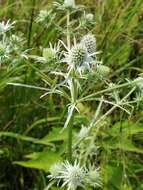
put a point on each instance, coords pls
(70, 126)
(31, 23)
(70, 134)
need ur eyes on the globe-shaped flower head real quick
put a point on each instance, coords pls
(69, 3)
(89, 42)
(78, 55)
(73, 176)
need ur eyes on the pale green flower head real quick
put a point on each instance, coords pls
(89, 17)
(49, 54)
(103, 70)
(93, 178)
(69, 3)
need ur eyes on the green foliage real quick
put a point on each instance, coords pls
(41, 160)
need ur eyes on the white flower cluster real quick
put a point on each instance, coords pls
(74, 176)
(10, 45)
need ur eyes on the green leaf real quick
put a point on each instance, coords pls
(40, 160)
(114, 175)
(125, 128)
(122, 144)
(55, 135)
(25, 138)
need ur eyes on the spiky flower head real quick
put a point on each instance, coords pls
(49, 54)
(73, 176)
(93, 178)
(89, 42)
(103, 70)
(6, 26)
(78, 55)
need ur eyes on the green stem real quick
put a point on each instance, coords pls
(72, 118)
(70, 134)
(108, 90)
(31, 23)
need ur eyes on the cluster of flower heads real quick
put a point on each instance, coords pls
(73, 176)
(82, 56)
(11, 45)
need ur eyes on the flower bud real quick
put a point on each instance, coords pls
(103, 70)
(69, 3)
(89, 17)
(49, 54)
(94, 178)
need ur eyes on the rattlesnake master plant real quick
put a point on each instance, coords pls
(80, 60)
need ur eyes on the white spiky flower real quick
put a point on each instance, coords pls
(69, 3)
(89, 42)
(73, 176)
(78, 58)
(6, 26)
